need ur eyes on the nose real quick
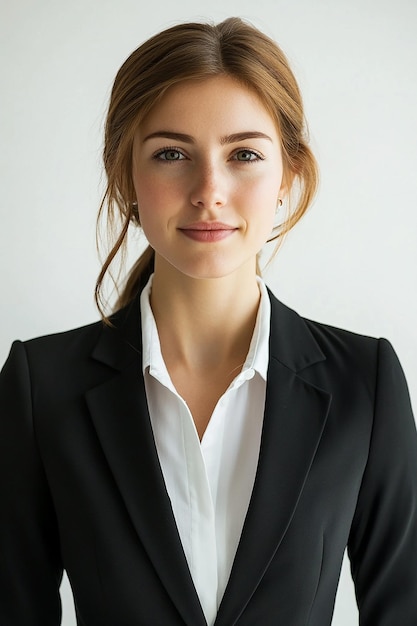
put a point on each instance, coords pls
(209, 187)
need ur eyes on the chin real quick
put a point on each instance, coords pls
(206, 267)
(214, 271)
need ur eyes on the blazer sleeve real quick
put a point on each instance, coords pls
(30, 569)
(383, 539)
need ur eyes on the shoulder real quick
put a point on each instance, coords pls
(70, 342)
(355, 356)
(80, 340)
(56, 352)
(342, 340)
(333, 357)
(296, 333)
(81, 353)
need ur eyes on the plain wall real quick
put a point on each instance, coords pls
(352, 260)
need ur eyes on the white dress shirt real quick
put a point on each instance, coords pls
(209, 482)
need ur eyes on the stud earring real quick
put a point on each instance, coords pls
(135, 211)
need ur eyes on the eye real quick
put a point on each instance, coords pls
(169, 154)
(247, 156)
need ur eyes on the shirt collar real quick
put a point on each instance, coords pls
(258, 355)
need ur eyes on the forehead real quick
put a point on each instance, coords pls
(214, 102)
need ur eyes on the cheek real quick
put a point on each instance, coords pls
(147, 191)
(260, 200)
(153, 200)
(260, 196)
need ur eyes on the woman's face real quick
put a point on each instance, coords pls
(207, 171)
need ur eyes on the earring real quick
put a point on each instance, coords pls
(135, 211)
(279, 201)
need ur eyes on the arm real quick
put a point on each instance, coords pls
(383, 539)
(30, 570)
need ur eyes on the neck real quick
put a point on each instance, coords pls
(202, 322)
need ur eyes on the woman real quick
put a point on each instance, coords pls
(205, 455)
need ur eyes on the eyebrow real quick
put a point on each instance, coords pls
(235, 137)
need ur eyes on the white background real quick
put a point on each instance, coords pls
(351, 262)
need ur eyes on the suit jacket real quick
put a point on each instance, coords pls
(82, 488)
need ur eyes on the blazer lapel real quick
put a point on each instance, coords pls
(119, 411)
(294, 419)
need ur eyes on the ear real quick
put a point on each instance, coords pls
(286, 183)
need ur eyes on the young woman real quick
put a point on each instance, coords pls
(205, 455)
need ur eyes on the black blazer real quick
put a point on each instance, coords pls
(82, 489)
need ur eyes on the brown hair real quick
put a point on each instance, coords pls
(190, 51)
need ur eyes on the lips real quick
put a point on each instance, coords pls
(208, 231)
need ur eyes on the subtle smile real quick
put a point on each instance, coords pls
(208, 231)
